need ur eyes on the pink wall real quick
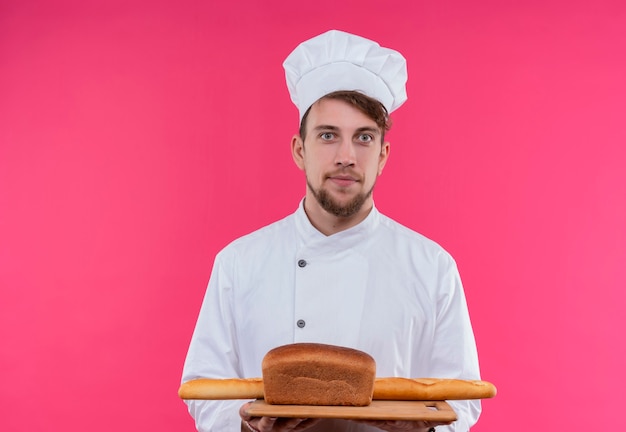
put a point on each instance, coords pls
(138, 137)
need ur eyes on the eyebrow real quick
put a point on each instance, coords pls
(325, 127)
(373, 130)
(370, 129)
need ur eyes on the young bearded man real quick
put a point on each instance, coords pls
(336, 271)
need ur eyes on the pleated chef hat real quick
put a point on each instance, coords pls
(337, 60)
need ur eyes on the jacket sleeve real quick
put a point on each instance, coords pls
(454, 352)
(213, 350)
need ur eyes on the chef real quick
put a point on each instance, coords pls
(336, 270)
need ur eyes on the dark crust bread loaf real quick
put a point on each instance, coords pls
(318, 374)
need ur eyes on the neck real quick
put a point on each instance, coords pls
(328, 223)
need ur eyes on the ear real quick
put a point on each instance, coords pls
(297, 151)
(384, 155)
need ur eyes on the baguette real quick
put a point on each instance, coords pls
(431, 389)
(421, 389)
(218, 389)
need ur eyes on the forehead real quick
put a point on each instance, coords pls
(339, 114)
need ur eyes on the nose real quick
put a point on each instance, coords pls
(345, 154)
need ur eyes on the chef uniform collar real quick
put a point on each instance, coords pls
(351, 237)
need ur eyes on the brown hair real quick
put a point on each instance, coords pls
(367, 105)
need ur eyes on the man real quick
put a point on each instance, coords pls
(336, 271)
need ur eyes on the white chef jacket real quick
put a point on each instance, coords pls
(378, 287)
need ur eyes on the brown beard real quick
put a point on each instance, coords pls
(331, 206)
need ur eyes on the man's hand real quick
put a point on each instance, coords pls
(271, 424)
(403, 426)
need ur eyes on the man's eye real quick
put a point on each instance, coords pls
(365, 138)
(327, 136)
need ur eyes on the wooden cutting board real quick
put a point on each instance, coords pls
(377, 410)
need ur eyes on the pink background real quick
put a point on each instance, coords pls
(137, 138)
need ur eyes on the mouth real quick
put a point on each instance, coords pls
(343, 180)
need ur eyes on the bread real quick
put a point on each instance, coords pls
(318, 374)
(222, 389)
(423, 389)
(431, 389)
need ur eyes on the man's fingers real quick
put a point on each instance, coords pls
(266, 423)
(306, 423)
(242, 411)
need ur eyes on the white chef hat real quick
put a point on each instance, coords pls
(337, 60)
